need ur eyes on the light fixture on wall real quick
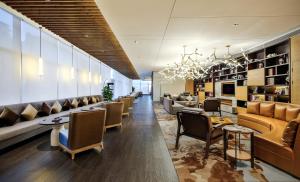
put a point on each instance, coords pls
(72, 69)
(40, 61)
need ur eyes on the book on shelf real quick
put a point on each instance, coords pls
(270, 81)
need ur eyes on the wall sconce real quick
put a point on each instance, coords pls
(41, 62)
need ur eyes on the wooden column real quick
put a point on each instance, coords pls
(295, 67)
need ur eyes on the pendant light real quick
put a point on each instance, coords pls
(72, 69)
(90, 74)
(40, 61)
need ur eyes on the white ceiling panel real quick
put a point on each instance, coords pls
(153, 32)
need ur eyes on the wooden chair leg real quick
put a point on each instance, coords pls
(207, 150)
(73, 156)
(177, 141)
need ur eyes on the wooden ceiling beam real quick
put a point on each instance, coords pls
(81, 23)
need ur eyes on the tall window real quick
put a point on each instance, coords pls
(143, 86)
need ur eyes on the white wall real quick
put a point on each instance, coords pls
(20, 49)
(161, 86)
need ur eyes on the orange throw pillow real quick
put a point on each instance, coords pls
(267, 109)
(253, 107)
(280, 112)
(291, 113)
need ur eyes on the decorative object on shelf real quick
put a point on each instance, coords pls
(260, 65)
(194, 66)
(271, 55)
(281, 61)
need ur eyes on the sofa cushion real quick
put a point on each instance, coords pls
(85, 101)
(45, 110)
(8, 117)
(261, 120)
(56, 108)
(291, 113)
(63, 137)
(289, 133)
(74, 103)
(280, 112)
(267, 109)
(181, 98)
(189, 98)
(94, 100)
(29, 113)
(19, 128)
(67, 105)
(253, 108)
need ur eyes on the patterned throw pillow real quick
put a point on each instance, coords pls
(29, 113)
(289, 133)
(56, 108)
(189, 98)
(85, 101)
(45, 110)
(94, 100)
(67, 105)
(8, 117)
(74, 103)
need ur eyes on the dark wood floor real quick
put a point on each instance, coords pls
(137, 152)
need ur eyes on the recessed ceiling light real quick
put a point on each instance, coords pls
(236, 24)
(86, 36)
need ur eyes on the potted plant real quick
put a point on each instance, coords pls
(107, 93)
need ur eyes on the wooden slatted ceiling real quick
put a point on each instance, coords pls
(81, 23)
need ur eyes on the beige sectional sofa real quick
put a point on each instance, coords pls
(23, 130)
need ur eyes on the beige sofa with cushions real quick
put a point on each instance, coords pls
(23, 130)
(270, 119)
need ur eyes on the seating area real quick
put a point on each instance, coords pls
(179, 91)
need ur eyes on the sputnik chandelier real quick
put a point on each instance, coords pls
(194, 66)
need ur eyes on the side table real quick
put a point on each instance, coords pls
(237, 152)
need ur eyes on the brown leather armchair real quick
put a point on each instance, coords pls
(212, 105)
(197, 125)
(126, 102)
(85, 132)
(114, 112)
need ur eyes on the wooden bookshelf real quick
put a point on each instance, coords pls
(267, 70)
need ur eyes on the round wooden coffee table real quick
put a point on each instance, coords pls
(237, 152)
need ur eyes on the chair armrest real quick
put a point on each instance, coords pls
(218, 125)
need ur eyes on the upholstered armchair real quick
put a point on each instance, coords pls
(131, 101)
(85, 132)
(126, 102)
(114, 112)
(212, 105)
(197, 125)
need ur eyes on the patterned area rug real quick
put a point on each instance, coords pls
(191, 167)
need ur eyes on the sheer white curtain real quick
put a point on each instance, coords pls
(10, 58)
(67, 82)
(37, 87)
(95, 77)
